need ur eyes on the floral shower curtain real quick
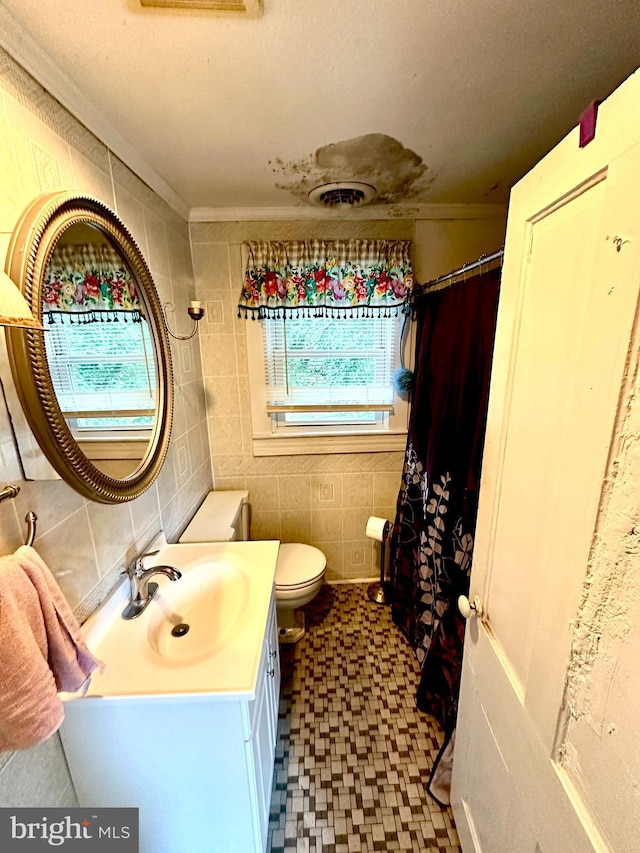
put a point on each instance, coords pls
(432, 539)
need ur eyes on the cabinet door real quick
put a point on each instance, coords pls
(273, 674)
(261, 746)
(261, 760)
(567, 306)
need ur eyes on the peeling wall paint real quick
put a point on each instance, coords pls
(597, 744)
(611, 591)
(397, 173)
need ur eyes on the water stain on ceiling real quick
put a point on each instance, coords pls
(397, 173)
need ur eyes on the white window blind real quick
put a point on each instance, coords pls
(330, 365)
(103, 370)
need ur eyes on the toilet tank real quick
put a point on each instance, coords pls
(223, 516)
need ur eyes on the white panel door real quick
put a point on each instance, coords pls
(567, 308)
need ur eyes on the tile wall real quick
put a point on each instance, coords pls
(324, 499)
(42, 149)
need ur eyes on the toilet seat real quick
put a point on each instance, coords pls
(299, 566)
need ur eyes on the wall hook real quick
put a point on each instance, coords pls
(11, 491)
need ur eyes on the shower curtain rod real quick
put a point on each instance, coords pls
(465, 268)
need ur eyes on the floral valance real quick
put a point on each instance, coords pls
(326, 278)
(88, 283)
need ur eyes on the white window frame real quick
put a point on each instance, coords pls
(390, 435)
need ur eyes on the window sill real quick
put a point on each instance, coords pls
(297, 445)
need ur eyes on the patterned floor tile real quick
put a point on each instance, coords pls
(353, 751)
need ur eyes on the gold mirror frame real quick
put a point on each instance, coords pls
(32, 242)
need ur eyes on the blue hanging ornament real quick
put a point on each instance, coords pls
(403, 378)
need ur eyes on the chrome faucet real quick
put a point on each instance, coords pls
(141, 590)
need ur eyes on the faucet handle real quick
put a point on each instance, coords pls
(136, 565)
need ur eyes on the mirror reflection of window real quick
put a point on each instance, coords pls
(99, 349)
(104, 376)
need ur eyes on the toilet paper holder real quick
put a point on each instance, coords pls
(379, 529)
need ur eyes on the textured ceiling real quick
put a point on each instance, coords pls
(430, 100)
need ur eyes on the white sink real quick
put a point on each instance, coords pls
(218, 610)
(200, 614)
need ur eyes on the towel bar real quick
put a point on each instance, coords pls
(31, 518)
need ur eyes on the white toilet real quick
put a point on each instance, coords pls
(224, 517)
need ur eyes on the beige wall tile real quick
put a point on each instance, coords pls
(386, 487)
(220, 314)
(40, 154)
(294, 492)
(225, 484)
(388, 512)
(241, 353)
(263, 493)
(51, 500)
(180, 508)
(45, 763)
(326, 525)
(91, 179)
(112, 531)
(211, 270)
(333, 553)
(265, 525)
(218, 355)
(131, 211)
(295, 526)
(326, 491)
(199, 453)
(180, 264)
(157, 242)
(222, 396)
(12, 531)
(357, 556)
(195, 410)
(12, 200)
(358, 490)
(181, 453)
(225, 435)
(69, 552)
(355, 522)
(177, 318)
(144, 510)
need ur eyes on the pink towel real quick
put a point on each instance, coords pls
(41, 651)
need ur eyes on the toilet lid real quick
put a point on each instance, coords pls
(299, 565)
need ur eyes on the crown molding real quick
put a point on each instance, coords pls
(24, 49)
(370, 211)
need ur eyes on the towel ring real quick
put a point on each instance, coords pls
(31, 518)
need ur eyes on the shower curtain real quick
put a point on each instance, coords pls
(432, 540)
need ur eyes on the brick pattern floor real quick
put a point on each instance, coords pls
(353, 752)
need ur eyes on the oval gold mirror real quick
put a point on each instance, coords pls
(96, 385)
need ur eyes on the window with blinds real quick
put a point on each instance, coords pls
(103, 374)
(321, 371)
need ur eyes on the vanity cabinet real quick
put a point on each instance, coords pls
(199, 766)
(262, 729)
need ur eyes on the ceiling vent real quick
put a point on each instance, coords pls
(342, 195)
